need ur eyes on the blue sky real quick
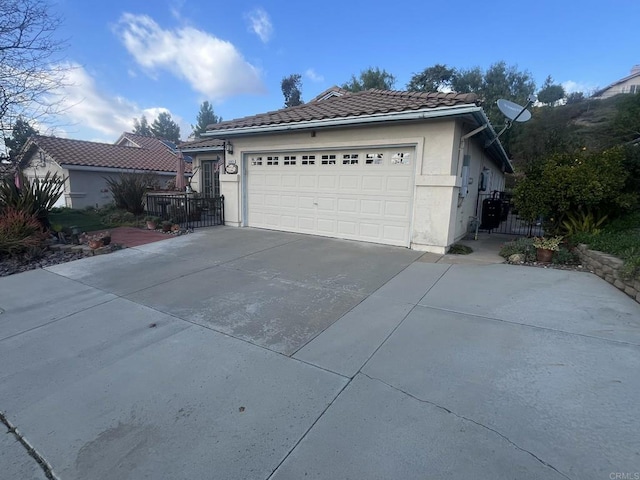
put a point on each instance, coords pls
(134, 57)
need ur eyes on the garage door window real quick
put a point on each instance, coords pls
(374, 158)
(350, 159)
(256, 161)
(308, 160)
(272, 160)
(328, 159)
(289, 160)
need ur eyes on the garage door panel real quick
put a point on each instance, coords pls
(370, 202)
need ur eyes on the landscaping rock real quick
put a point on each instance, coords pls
(516, 258)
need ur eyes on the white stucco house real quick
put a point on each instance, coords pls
(628, 84)
(396, 168)
(86, 164)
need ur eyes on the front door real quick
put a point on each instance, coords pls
(210, 179)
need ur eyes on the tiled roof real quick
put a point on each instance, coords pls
(202, 143)
(363, 103)
(151, 154)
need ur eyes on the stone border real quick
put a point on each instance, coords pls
(607, 267)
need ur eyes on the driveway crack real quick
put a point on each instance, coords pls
(467, 419)
(33, 453)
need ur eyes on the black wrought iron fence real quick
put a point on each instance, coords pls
(189, 210)
(496, 213)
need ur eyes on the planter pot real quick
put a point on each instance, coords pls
(544, 255)
(175, 227)
(93, 244)
(152, 225)
(166, 228)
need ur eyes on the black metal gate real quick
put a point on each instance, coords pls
(188, 210)
(496, 213)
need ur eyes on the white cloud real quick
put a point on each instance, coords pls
(84, 106)
(313, 76)
(570, 87)
(260, 24)
(211, 66)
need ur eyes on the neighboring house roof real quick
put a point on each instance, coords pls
(131, 152)
(202, 144)
(635, 72)
(334, 91)
(368, 102)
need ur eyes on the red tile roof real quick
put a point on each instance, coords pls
(146, 154)
(363, 103)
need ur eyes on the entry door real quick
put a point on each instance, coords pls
(363, 194)
(210, 178)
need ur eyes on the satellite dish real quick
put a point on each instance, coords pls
(513, 111)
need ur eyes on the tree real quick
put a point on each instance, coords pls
(19, 136)
(141, 127)
(550, 93)
(292, 90)
(164, 127)
(30, 71)
(370, 78)
(432, 79)
(575, 97)
(205, 117)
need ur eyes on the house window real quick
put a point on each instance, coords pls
(256, 161)
(401, 158)
(308, 160)
(289, 160)
(328, 159)
(272, 160)
(350, 159)
(634, 88)
(374, 158)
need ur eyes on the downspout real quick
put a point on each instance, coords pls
(463, 139)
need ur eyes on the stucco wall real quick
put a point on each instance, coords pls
(623, 87)
(436, 174)
(39, 165)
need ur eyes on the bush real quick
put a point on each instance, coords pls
(460, 249)
(20, 232)
(523, 246)
(128, 191)
(35, 198)
(565, 256)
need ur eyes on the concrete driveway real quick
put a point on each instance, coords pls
(249, 354)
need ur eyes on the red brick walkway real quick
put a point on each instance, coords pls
(132, 237)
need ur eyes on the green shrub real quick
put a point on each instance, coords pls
(631, 267)
(460, 249)
(523, 246)
(20, 232)
(128, 191)
(565, 256)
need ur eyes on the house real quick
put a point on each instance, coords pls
(628, 84)
(207, 155)
(397, 168)
(86, 164)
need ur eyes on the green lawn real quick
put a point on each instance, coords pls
(86, 220)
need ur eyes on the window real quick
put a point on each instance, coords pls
(634, 88)
(374, 158)
(272, 160)
(308, 160)
(401, 158)
(289, 160)
(256, 161)
(328, 159)
(350, 159)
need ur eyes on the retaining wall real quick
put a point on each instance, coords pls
(608, 267)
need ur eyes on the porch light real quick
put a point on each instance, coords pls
(229, 147)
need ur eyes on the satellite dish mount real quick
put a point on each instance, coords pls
(514, 113)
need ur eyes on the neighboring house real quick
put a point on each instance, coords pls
(207, 155)
(86, 164)
(397, 168)
(628, 84)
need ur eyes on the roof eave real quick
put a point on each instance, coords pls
(202, 149)
(420, 114)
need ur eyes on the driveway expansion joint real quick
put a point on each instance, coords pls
(467, 419)
(33, 453)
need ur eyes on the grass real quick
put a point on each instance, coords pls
(92, 219)
(460, 249)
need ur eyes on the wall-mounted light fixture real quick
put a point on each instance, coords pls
(229, 147)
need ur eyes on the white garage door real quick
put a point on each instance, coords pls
(361, 194)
